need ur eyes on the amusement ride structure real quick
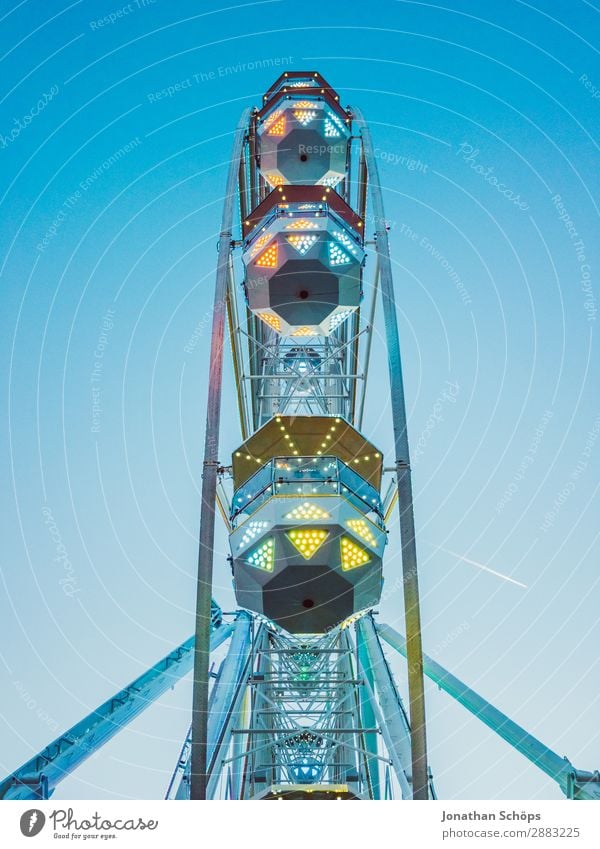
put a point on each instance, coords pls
(304, 704)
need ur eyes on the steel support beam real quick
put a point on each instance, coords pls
(209, 479)
(39, 777)
(412, 612)
(394, 723)
(367, 711)
(369, 343)
(238, 748)
(574, 784)
(224, 705)
(228, 694)
(236, 354)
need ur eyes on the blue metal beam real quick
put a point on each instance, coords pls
(368, 713)
(38, 778)
(224, 702)
(393, 720)
(573, 783)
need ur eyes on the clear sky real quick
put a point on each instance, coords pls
(116, 122)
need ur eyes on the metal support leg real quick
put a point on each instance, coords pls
(43, 772)
(573, 783)
(367, 712)
(394, 721)
(239, 745)
(229, 692)
(405, 503)
(209, 483)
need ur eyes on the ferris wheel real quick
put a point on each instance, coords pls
(304, 704)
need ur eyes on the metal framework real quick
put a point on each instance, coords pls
(288, 714)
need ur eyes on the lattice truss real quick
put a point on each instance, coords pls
(306, 714)
(302, 713)
(312, 378)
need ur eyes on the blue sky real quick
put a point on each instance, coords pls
(114, 140)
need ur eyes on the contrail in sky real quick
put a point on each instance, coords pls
(481, 566)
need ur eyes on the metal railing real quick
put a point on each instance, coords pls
(306, 476)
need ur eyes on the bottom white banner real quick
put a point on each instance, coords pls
(426, 824)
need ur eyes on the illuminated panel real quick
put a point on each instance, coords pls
(263, 556)
(304, 331)
(278, 128)
(259, 244)
(307, 511)
(303, 84)
(302, 243)
(331, 131)
(307, 541)
(336, 320)
(336, 120)
(353, 555)
(345, 240)
(272, 320)
(304, 116)
(306, 104)
(252, 530)
(274, 179)
(336, 255)
(302, 224)
(268, 259)
(330, 181)
(361, 529)
(272, 118)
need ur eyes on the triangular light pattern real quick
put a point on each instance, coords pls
(272, 118)
(278, 128)
(259, 244)
(302, 243)
(331, 131)
(336, 120)
(302, 224)
(361, 529)
(307, 511)
(263, 556)
(274, 179)
(251, 531)
(307, 540)
(304, 116)
(270, 319)
(353, 555)
(268, 259)
(330, 180)
(337, 319)
(336, 255)
(345, 240)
